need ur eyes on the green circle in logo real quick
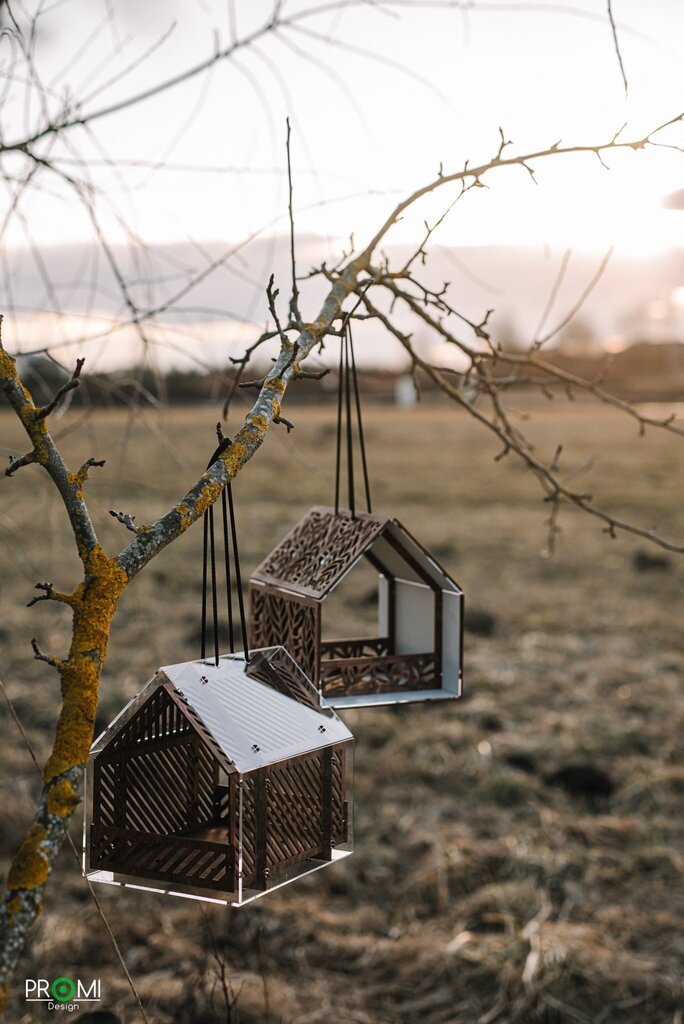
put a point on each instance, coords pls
(62, 989)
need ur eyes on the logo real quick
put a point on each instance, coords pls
(63, 993)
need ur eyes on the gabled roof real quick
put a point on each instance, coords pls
(324, 545)
(255, 713)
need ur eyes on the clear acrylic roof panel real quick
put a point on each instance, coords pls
(252, 723)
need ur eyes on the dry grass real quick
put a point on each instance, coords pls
(481, 889)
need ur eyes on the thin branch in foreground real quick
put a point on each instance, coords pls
(15, 464)
(295, 315)
(49, 659)
(124, 519)
(82, 474)
(72, 383)
(553, 487)
(286, 423)
(617, 44)
(49, 594)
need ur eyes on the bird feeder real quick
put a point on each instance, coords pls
(219, 781)
(417, 653)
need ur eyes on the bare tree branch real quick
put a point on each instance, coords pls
(62, 391)
(616, 43)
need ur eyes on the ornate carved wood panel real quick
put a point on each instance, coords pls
(318, 552)
(351, 676)
(361, 647)
(282, 619)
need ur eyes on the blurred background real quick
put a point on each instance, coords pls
(518, 857)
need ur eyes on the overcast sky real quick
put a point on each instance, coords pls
(366, 129)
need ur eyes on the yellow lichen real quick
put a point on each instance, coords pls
(62, 799)
(207, 496)
(30, 867)
(260, 422)
(235, 456)
(185, 516)
(93, 613)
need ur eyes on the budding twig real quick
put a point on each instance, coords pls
(125, 520)
(82, 474)
(47, 658)
(72, 383)
(15, 464)
(286, 423)
(49, 595)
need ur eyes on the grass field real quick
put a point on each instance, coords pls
(518, 853)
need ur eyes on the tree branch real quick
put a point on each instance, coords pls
(125, 520)
(47, 658)
(45, 453)
(72, 383)
(49, 594)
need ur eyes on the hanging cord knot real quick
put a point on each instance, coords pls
(209, 562)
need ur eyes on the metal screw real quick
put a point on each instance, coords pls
(203, 679)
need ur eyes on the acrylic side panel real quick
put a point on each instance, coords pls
(452, 642)
(415, 618)
(383, 606)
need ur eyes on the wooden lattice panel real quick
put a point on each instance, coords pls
(158, 717)
(177, 859)
(293, 812)
(155, 776)
(319, 551)
(249, 849)
(353, 676)
(339, 817)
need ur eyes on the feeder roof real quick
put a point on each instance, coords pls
(255, 713)
(324, 545)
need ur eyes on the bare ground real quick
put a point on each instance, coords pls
(493, 880)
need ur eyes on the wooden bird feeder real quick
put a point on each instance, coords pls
(219, 781)
(417, 653)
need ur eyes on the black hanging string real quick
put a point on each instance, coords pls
(359, 422)
(238, 578)
(340, 385)
(203, 645)
(348, 378)
(226, 555)
(350, 439)
(209, 563)
(214, 593)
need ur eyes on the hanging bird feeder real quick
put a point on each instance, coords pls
(219, 781)
(417, 652)
(224, 777)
